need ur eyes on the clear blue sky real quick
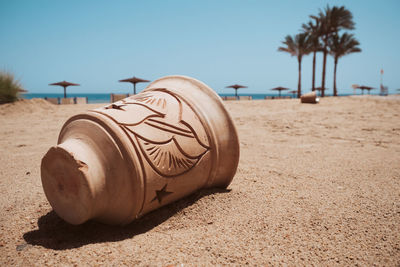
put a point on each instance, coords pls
(96, 43)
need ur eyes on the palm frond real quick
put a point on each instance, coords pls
(297, 45)
(341, 45)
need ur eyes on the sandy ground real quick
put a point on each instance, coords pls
(316, 184)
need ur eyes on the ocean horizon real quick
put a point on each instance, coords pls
(105, 98)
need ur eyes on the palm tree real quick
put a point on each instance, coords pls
(340, 46)
(331, 21)
(314, 32)
(298, 45)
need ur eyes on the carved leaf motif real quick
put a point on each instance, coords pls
(130, 114)
(158, 101)
(169, 132)
(167, 158)
(154, 100)
(162, 132)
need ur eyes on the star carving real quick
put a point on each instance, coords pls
(160, 194)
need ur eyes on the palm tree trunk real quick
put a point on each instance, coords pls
(334, 78)
(313, 70)
(323, 74)
(299, 84)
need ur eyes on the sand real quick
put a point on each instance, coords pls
(316, 184)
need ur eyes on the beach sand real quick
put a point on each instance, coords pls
(316, 184)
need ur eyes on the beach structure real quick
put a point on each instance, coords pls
(70, 100)
(384, 90)
(364, 87)
(64, 84)
(279, 89)
(245, 97)
(67, 101)
(228, 98)
(53, 100)
(81, 100)
(117, 97)
(236, 87)
(134, 80)
(133, 156)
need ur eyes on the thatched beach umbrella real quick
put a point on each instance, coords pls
(320, 89)
(22, 91)
(134, 80)
(65, 85)
(236, 87)
(363, 87)
(293, 92)
(369, 89)
(279, 89)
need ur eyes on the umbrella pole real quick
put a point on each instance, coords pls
(279, 94)
(65, 92)
(236, 93)
(134, 88)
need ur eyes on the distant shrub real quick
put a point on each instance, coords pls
(9, 88)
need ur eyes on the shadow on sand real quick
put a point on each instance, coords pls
(54, 233)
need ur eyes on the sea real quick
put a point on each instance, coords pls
(105, 98)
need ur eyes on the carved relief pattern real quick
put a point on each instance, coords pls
(169, 133)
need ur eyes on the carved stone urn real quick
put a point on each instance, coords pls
(116, 163)
(310, 98)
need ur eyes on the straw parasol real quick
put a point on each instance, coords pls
(320, 89)
(279, 89)
(369, 89)
(236, 87)
(293, 92)
(22, 91)
(65, 85)
(364, 87)
(134, 80)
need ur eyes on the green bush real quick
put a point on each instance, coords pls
(9, 88)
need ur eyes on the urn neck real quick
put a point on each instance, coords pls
(90, 175)
(73, 177)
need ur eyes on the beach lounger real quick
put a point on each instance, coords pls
(67, 101)
(245, 97)
(230, 98)
(53, 100)
(117, 97)
(81, 100)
